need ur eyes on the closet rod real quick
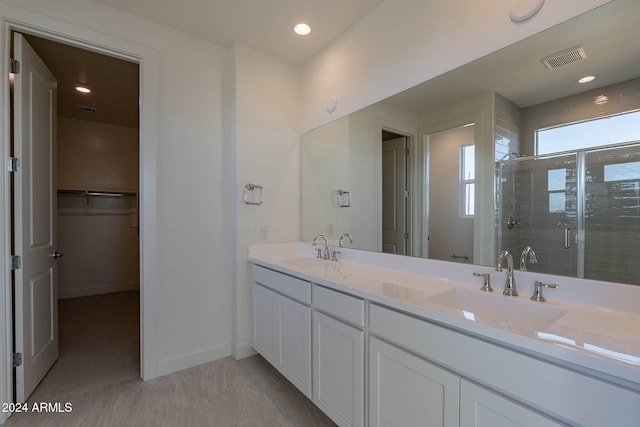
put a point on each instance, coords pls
(98, 193)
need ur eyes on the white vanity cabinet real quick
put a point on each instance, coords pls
(338, 356)
(406, 390)
(378, 362)
(532, 386)
(282, 324)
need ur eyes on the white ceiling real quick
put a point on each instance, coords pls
(515, 72)
(608, 34)
(265, 25)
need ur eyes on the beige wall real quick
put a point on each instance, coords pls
(98, 235)
(97, 156)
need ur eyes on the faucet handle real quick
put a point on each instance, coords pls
(335, 256)
(486, 286)
(319, 252)
(537, 290)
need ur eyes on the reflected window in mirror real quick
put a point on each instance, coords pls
(556, 185)
(467, 180)
(608, 130)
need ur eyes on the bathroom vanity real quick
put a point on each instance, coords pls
(377, 340)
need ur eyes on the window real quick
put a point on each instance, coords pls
(556, 184)
(467, 180)
(622, 171)
(589, 134)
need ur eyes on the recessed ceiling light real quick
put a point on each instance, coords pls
(586, 79)
(302, 29)
(83, 89)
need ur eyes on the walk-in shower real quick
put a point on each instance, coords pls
(580, 211)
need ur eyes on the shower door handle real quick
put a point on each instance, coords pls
(567, 238)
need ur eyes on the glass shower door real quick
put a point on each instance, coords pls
(612, 214)
(539, 208)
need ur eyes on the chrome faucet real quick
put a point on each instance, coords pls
(342, 238)
(523, 258)
(501, 256)
(326, 246)
(510, 283)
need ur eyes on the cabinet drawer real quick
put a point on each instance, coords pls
(289, 286)
(340, 305)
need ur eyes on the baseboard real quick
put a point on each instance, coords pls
(186, 361)
(97, 290)
(242, 351)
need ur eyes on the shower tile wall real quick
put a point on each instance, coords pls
(612, 217)
(508, 121)
(612, 245)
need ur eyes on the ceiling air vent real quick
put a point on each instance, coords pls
(87, 109)
(565, 57)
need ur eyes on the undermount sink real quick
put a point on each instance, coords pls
(498, 311)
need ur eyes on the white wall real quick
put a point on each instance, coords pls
(346, 154)
(324, 169)
(479, 110)
(267, 106)
(405, 42)
(187, 277)
(449, 232)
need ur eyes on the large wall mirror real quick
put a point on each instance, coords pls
(508, 152)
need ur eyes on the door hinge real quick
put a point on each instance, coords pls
(14, 66)
(406, 236)
(14, 164)
(405, 194)
(406, 151)
(17, 359)
(16, 262)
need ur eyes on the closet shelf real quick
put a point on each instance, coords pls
(97, 193)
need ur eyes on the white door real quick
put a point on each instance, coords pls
(394, 201)
(450, 232)
(36, 298)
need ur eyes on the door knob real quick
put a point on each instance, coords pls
(56, 255)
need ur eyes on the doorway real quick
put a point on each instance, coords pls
(94, 203)
(395, 193)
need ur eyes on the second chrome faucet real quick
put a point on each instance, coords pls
(510, 282)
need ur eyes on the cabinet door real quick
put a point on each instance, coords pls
(406, 390)
(265, 337)
(295, 343)
(338, 370)
(480, 407)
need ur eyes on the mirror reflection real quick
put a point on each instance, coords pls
(509, 152)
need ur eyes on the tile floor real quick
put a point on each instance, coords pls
(98, 375)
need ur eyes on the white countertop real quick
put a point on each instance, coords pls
(595, 335)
